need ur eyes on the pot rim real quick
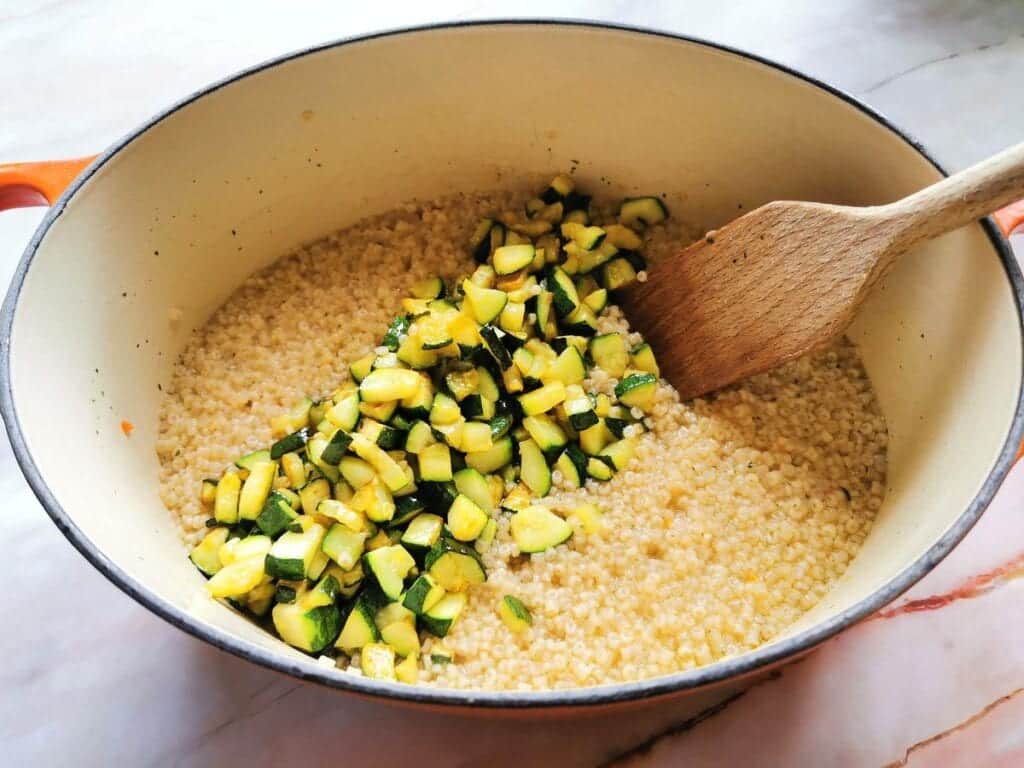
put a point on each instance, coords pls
(719, 672)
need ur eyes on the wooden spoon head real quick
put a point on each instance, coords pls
(776, 283)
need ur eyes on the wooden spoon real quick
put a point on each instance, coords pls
(788, 277)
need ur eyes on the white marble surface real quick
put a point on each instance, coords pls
(90, 678)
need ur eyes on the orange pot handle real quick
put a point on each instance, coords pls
(23, 185)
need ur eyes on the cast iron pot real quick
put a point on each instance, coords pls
(179, 212)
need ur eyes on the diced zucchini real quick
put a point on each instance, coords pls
(360, 629)
(406, 508)
(314, 450)
(618, 453)
(225, 505)
(296, 441)
(609, 353)
(513, 317)
(361, 367)
(423, 595)
(345, 414)
(461, 383)
(377, 661)
(492, 459)
(343, 545)
(408, 669)
(206, 555)
(478, 407)
(567, 368)
(340, 512)
(389, 470)
(419, 437)
(422, 533)
(580, 411)
(454, 566)
(412, 353)
(476, 437)
(512, 258)
(402, 637)
(486, 386)
(430, 287)
(444, 410)
(599, 470)
(638, 213)
(582, 321)
(237, 578)
(356, 471)
(387, 437)
(387, 384)
(573, 465)
(389, 566)
(292, 554)
(480, 242)
(310, 622)
(537, 528)
(209, 491)
(277, 514)
(493, 341)
(595, 438)
(618, 273)
(251, 460)
(256, 489)
(642, 359)
(545, 320)
(543, 399)
(587, 238)
(597, 301)
(560, 188)
(485, 304)
(514, 614)
(471, 483)
(637, 390)
(466, 519)
(533, 468)
(435, 463)
(312, 493)
(545, 432)
(439, 619)
(565, 299)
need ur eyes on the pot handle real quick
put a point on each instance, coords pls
(23, 185)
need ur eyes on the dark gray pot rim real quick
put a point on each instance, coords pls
(719, 672)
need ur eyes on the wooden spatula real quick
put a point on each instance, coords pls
(788, 277)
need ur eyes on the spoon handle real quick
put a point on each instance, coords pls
(958, 200)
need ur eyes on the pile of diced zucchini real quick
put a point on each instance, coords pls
(361, 527)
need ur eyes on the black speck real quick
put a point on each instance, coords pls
(124, 294)
(846, 493)
(97, 370)
(259, 191)
(138, 346)
(922, 335)
(159, 387)
(156, 253)
(234, 232)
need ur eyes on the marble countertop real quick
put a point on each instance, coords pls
(91, 678)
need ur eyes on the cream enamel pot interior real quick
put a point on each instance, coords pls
(169, 221)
